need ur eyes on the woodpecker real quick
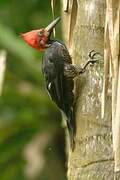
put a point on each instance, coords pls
(58, 71)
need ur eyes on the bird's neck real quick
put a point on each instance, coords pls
(50, 42)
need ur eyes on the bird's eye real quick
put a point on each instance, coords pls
(40, 33)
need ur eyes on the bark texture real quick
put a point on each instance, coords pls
(83, 31)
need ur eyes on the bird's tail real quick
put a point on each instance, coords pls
(71, 127)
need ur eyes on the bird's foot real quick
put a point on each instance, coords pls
(94, 57)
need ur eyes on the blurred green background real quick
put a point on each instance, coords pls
(31, 135)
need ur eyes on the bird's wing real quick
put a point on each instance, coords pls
(59, 86)
(55, 90)
(53, 70)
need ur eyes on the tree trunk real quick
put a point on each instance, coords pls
(83, 31)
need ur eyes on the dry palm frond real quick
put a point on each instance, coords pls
(112, 53)
(2, 68)
(53, 12)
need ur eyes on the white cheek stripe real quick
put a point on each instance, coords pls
(49, 85)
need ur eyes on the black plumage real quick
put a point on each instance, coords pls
(56, 63)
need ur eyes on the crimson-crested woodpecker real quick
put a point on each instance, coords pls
(58, 71)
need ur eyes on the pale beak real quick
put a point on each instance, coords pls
(50, 27)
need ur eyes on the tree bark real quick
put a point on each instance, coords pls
(83, 31)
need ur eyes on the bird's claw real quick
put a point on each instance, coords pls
(94, 56)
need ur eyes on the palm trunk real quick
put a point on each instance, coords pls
(83, 30)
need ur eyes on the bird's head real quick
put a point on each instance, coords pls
(39, 39)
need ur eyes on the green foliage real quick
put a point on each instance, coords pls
(25, 108)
